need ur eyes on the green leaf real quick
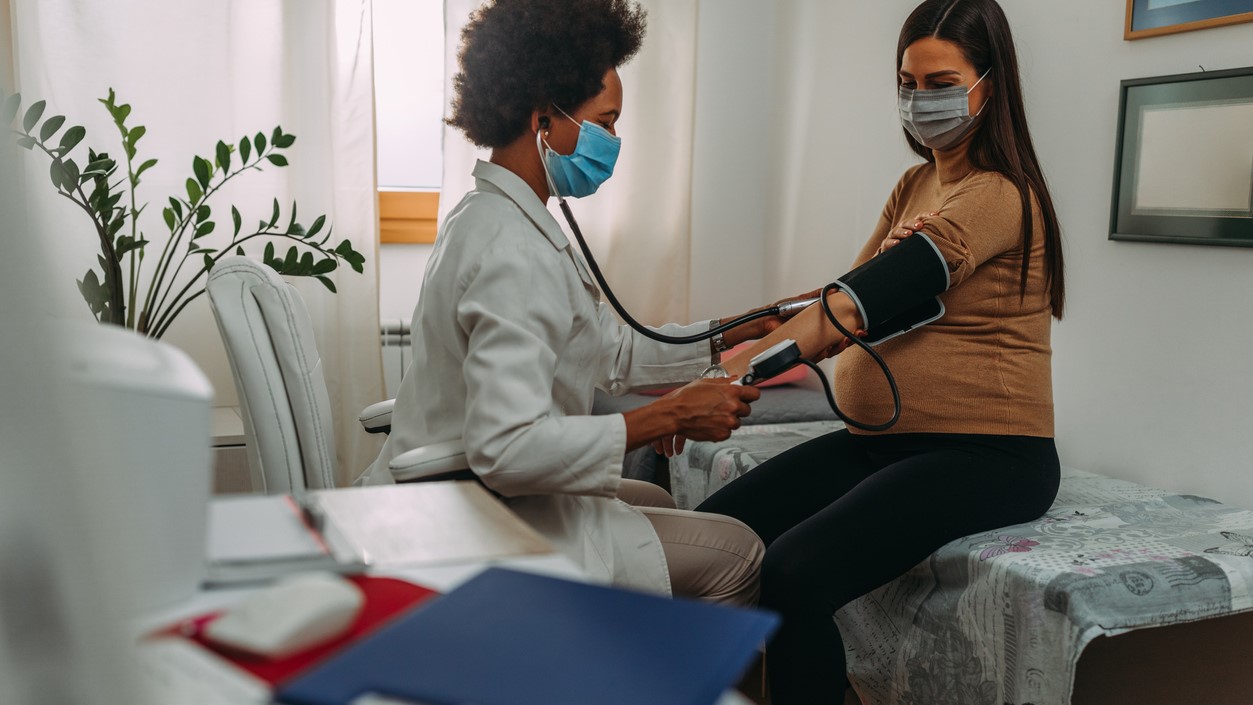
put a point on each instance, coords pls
(116, 225)
(285, 141)
(276, 159)
(57, 173)
(99, 166)
(177, 207)
(144, 167)
(113, 201)
(274, 217)
(306, 263)
(289, 262)
(208, 262)
(276, 134)
(203, 171)
(317, 226)
(239, 250)
(132, 137)
(123, 112)
(297, 230)
(26, 142)
(239, 221)
(204, 229)
(50, 127)
(71, 173)
(71, 138)
(169, 218)
(328, 284)
(224, 156)
(193, 190)
(326, 266)
(33, 113)
(245, 149)
(202, 214)
(9, 111)
(96, 295)
(259, 141)
(127, 243)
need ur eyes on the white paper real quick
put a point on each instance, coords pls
(1196, 159)
(428, 523)
(175, 671)
(259, 528)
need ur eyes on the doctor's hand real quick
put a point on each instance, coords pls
(904, 229)
(705, 410)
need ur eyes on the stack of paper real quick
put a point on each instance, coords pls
(349, 530)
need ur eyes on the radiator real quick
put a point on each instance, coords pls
(394, 333)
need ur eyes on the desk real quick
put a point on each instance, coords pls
(175, 671)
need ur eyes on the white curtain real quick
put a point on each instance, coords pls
(639, 224)
(197, 72)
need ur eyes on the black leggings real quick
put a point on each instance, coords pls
(844, 514)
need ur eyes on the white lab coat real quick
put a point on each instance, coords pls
(510, 340)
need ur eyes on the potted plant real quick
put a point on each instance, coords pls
(105, 190)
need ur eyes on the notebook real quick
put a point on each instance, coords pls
(255, 538)
(513, 638)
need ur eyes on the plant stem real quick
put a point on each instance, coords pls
(168, 318)
(153, 305)
(160, 331)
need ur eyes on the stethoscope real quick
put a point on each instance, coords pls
(780, 357)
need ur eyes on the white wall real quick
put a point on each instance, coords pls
(1152, 375)
(1153, 381)
(400, 278)
(735, 65)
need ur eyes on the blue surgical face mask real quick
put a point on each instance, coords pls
(581, 173)
(940, 117)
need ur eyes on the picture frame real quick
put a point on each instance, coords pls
(1152, 18)
(1183, 162)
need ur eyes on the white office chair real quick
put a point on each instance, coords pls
(282, 391)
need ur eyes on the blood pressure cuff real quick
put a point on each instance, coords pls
(892, 286)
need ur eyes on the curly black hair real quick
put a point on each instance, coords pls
(518, 56)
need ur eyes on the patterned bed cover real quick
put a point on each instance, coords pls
(1002, 617)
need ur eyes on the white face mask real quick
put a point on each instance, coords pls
(940, 117)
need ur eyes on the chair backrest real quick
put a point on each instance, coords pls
(278, 374)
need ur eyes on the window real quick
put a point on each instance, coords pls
(409, 104)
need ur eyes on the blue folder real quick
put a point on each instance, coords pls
(513, 638)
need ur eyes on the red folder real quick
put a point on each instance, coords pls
(385, 599)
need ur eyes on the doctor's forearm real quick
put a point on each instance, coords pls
(647, 424)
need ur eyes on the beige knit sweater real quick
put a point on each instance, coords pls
(985, 367)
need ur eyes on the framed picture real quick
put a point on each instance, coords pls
(1183, 166)
(1149, 18)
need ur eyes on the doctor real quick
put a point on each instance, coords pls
(511, 339)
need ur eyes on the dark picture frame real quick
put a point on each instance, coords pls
(1183, 162)
(1151, 18)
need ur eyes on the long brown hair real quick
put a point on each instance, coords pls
(1002, 144)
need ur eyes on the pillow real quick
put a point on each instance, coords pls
(792, 376)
